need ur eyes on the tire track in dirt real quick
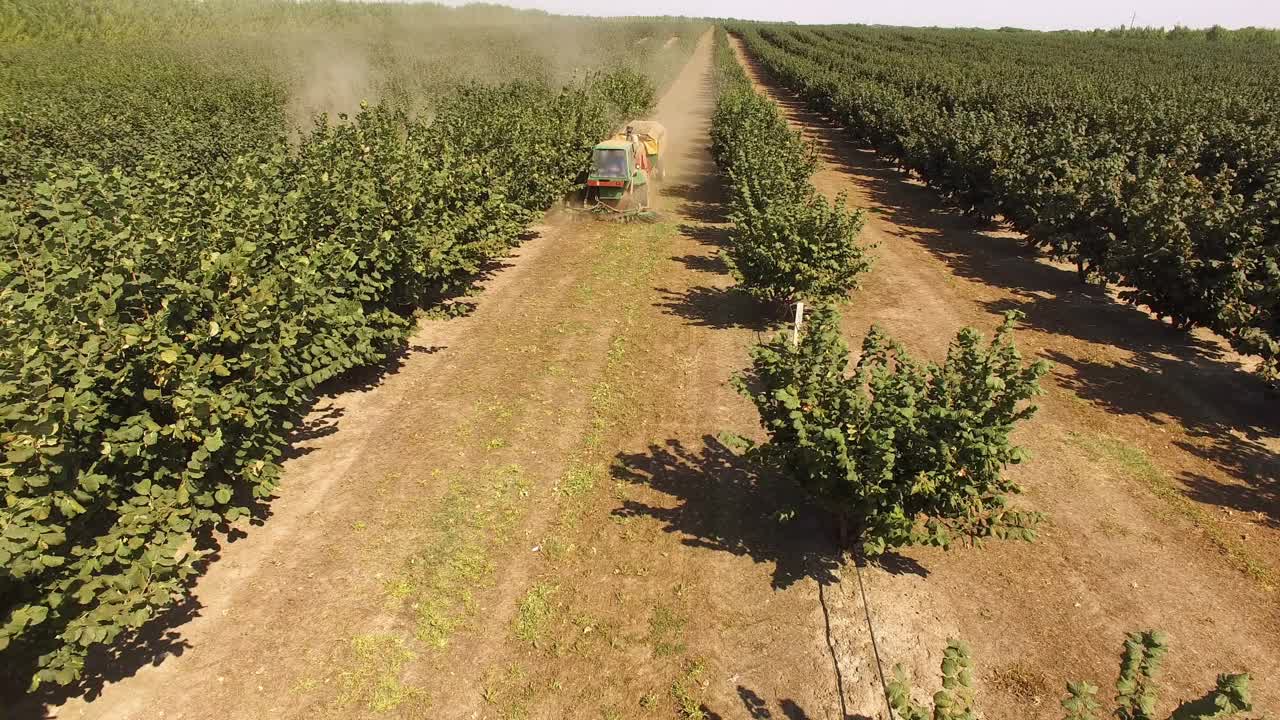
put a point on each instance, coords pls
(1131, 407)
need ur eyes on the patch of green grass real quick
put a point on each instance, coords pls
(1134, 463)
(398, 589)
(439, 582)
(509, 691)
(578, 480)
(666, 631)
(618, 272)
(556, 548)
(591, 634)
(373, 680)
(628, 255)
(456, 539)
(1131, 460)
(500, 410)
(687, 691)
(629, 529)
(535, 613)
(585, 294)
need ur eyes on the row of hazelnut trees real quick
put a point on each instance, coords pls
(901, 452)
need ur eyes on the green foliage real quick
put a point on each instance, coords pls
(1148, 158)
(631, 93)
(175, 285)
(159, 337)
(1135, 690)
(953, 702)
(910, 454)
(1230, 696)
(1136, 695)
(787, 242)
(1081, 702)
(116, 109)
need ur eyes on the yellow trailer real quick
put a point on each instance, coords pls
(648, 137)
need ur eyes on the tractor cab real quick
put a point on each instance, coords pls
(611, 160)
(621, 168)
(617, 177)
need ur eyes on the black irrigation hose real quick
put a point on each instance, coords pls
(831, 647)
(875, 646)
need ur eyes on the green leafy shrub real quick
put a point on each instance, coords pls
(787, 242)
(953, 702)
(796, 251)
(908, 453)
(631, 93)
(1136, 695)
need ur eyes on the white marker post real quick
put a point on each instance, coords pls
(795, 332)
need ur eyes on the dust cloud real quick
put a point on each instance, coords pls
(413, 55)
(334, 79)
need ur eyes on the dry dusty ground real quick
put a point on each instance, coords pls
(529, 515)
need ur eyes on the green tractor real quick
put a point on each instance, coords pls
(622, 169)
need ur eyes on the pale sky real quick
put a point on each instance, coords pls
(1036, 15)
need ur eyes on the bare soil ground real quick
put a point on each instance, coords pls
(530, 514)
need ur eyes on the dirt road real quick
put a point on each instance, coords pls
(530, 514)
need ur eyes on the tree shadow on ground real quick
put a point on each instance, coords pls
(895, 563)
(150, 645)
(1260, 499)
(757, 708)
(1169, 376)
(723, 502)
(1231, 434)
(714, 236)
(322, 419)
(710, 264)
(700, 203)
(715, 307)
(708, 305)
